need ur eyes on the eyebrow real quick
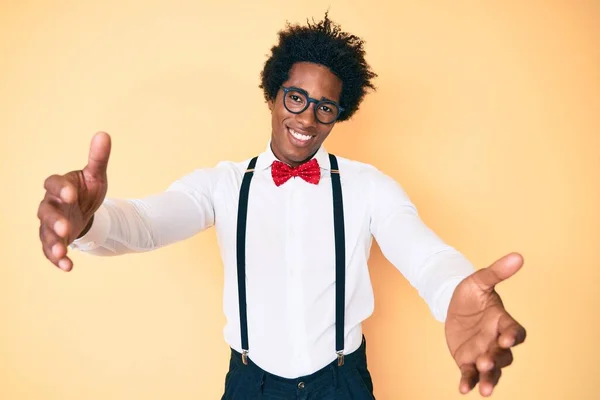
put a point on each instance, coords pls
(323, 98)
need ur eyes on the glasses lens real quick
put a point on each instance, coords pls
(327, 112)
(295, 101)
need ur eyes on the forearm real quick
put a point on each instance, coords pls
(438, 278)
(127, 226)
(430, 265)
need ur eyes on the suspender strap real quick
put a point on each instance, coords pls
(340, 258)
(241, 255)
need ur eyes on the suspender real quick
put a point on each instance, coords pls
(241, 255)
(340, 257)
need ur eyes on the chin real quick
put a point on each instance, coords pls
(294, 157)
(294, 151)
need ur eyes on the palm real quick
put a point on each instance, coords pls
(479, 331)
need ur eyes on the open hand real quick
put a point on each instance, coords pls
(479, 331)
(71, 201)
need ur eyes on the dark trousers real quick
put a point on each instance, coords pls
(351, 381)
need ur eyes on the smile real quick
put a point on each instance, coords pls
(299, 136)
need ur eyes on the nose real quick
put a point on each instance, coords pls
(307, 118)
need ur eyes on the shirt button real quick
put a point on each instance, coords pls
(301, 385)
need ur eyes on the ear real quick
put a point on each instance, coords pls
(270, 104)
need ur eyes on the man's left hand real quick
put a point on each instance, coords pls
(479, 331)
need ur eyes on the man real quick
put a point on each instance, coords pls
(295, 226)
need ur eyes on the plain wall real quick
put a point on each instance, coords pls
(487, 113)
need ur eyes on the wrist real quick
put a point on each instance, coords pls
(87, 228)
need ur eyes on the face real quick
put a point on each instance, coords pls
(297, 137)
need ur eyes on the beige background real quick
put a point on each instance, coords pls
(487, 113)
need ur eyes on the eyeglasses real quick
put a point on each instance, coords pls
(296, 101)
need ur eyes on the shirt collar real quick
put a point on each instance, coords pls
(266, 158)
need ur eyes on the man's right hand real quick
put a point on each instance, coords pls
(67, 210)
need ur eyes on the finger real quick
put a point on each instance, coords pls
(54, 250)
(61, 188)
(499, 271)
(488, 380)
(485, 362)
(52, 244)
(511, 332)
(497, 358)
(468, 379)
(66, 264)
(504, 359)
(50, 215)
(99, 155)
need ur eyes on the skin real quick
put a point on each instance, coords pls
(319, 82)
(71, 201)
(480, 333)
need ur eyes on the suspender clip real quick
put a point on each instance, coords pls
(340, 357)
(245, 357)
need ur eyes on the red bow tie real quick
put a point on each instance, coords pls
(309, 171)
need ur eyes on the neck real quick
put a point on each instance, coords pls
(291, 163)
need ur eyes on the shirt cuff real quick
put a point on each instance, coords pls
(442, 302)
(456, 268)
(97, 234)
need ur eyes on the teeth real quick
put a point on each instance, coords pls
(299, 136)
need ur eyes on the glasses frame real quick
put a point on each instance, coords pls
(311, 100)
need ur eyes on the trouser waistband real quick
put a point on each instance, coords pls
(352, 360)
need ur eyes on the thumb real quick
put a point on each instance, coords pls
(499, 271)
(99, 155)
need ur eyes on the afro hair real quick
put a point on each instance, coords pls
(322, 43)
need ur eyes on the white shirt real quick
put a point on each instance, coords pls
(290, 252)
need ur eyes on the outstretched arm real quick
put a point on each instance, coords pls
(123, 226)
(479, 331)
(430, 265)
